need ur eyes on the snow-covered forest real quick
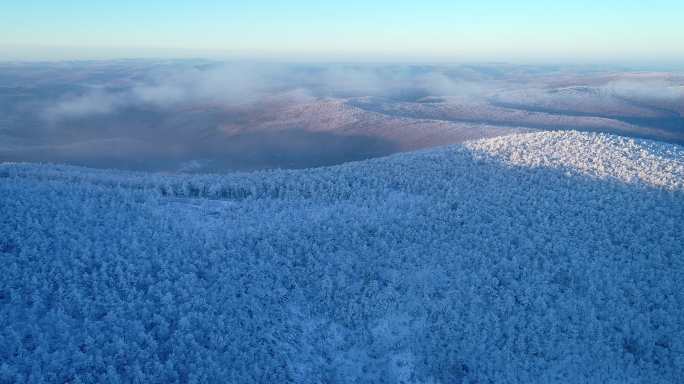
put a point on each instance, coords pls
(533, 258)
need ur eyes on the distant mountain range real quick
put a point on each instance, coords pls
(199, 116)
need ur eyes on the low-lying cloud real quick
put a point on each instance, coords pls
(242, 84)
(97, 102)
(647, 89)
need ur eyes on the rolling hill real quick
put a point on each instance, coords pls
(532, 258)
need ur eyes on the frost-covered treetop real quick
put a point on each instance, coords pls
(605, 156)
(538, 258)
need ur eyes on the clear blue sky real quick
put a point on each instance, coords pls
(600, 30)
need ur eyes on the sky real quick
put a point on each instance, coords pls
(427, 30)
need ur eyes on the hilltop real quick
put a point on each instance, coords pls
(540, 257)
